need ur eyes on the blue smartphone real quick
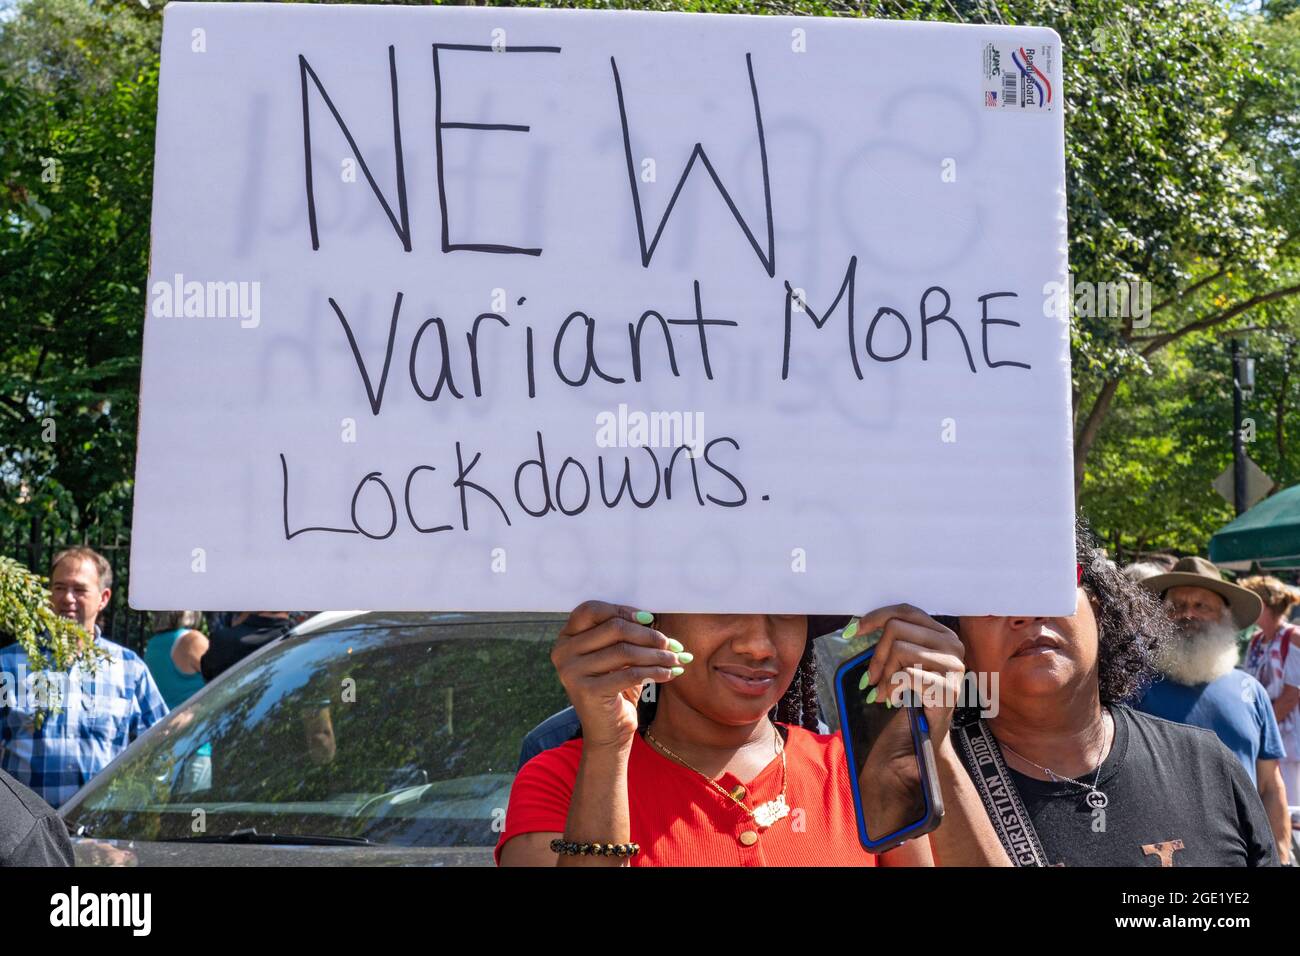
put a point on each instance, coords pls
(880, 740)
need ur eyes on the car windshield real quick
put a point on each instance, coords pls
(398, 729)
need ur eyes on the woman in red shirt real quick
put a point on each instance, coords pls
(707, 776)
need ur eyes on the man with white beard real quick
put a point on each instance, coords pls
(1201, 685)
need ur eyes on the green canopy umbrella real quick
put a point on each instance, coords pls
(1268, 533)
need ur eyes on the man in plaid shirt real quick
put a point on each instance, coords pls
(98, 714)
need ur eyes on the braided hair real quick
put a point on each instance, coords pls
(799, 705)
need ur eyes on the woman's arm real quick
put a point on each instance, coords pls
(912, 853)
(599, 810)
(188, 651)
(1272, 793)
(602, 656)
(1287, 700)
(966, 837)
(598, 813)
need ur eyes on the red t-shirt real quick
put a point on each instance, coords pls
(679, 820)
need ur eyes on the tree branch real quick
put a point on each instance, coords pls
(1083, 442)
(1157, 342)
(1179, 296)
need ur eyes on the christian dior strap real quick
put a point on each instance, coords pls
(998, 791)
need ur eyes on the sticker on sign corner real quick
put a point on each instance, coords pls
(1020, 77)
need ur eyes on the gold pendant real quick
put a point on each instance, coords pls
(768, 813)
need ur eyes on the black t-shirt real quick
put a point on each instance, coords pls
(1176, 797)
(31, 833)
(230, 645)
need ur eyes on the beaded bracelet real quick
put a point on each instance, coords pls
(595, 849)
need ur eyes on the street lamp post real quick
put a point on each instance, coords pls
(1243, 382)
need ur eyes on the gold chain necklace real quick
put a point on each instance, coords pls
(764, 814)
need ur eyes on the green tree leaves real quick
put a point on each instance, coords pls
(1183, 165)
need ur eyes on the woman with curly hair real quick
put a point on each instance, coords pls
(1069, 774)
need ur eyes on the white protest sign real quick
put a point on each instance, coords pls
(501, 309)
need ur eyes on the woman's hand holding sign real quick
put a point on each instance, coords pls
(603, 655)
(918, 654)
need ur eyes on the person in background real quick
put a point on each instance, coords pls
(102, 707)
(218, 620)
(173, 654)
(318, 732)
(248, 631)
(1273, 658)
(1100, 784)
(1139, 571)
(1202, 686)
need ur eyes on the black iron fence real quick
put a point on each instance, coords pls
(37, 543)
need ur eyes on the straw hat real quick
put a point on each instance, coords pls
(1199, 573)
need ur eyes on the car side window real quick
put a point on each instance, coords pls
(394, 731)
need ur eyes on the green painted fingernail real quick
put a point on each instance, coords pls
(866, 679)
(889, 705)
(686, 657)
(678, 670)
(644, 617)
(871, 697)
(849, 631)
(675, 646)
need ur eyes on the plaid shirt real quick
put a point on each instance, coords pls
(99, 715)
